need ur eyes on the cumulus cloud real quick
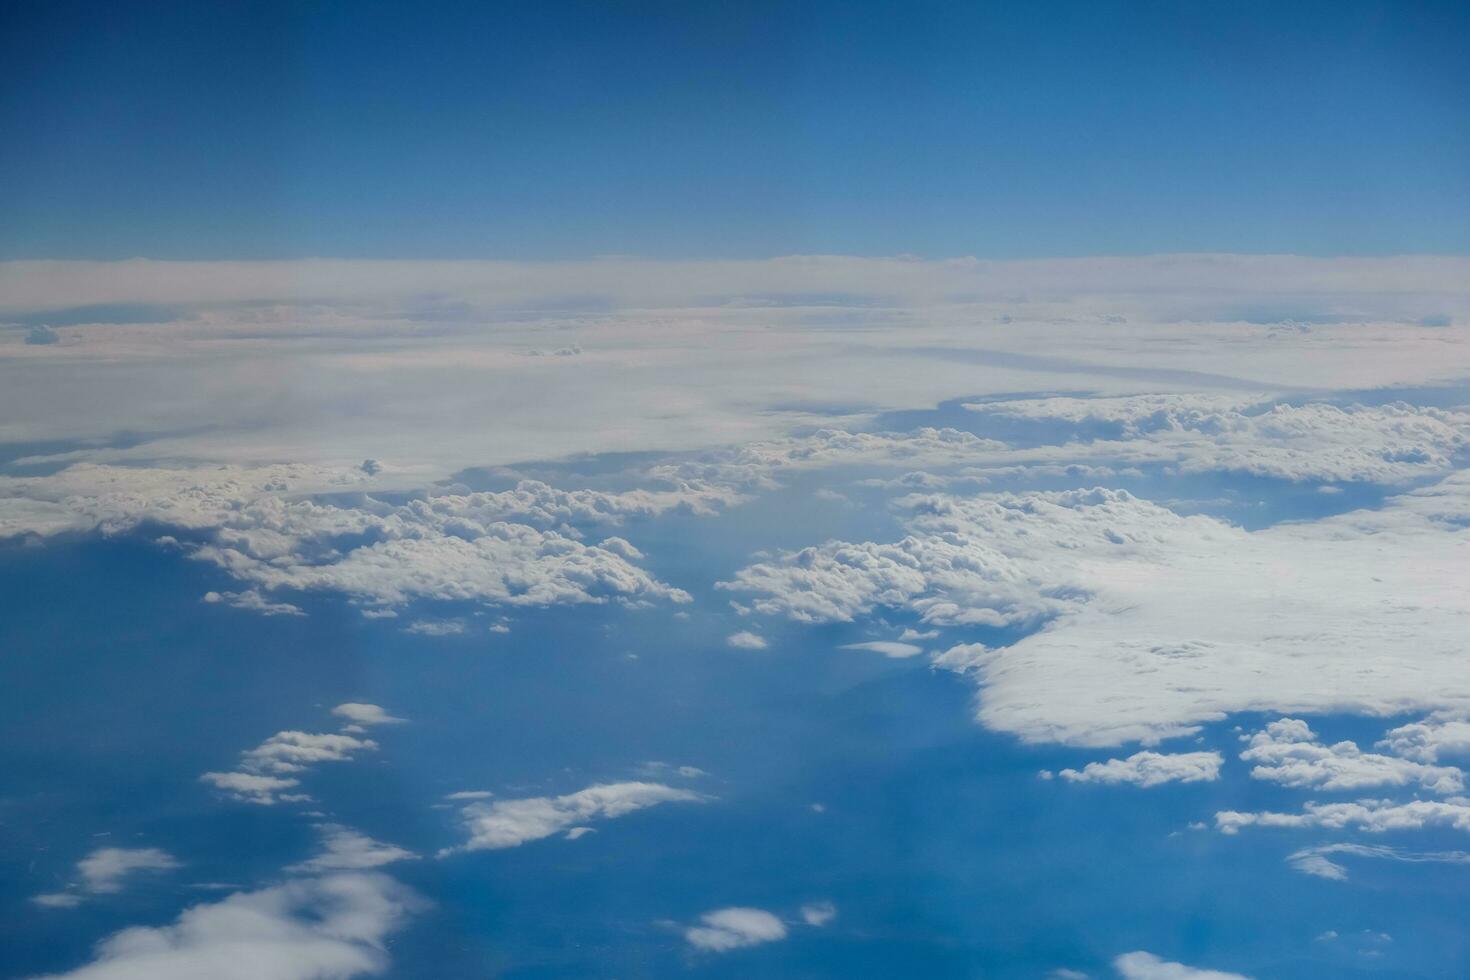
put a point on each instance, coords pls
(1444, 733)
(274, 766)
(249, 787)
(252, 600)
(1287, 752)
(328, 928)
(345, 849)
(1374, 816)
(1147, 769)
(293, 751)
(104, 871)
(733, 928)
(265, 526)
(746, 640)
(511, 823)
(1140, 965)
(1151, 622)
(1393, 443)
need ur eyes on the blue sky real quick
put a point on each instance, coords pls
(701, 130)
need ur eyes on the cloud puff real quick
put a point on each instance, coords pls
(359, 713)
(329, 928)
(1442, 733)
(1140, 965)
(252, 600)
(1316, 860)
(1150, 769)
(251, 787)
(511, 823)
(1374, 816)
(732, 928)
(104, 870)
(746, 640)
(818, 914)
(344, 849)
(270, 768)
(293, 751)
(1287, 752)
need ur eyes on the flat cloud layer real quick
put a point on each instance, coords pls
(297, 361)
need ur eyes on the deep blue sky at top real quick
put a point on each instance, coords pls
(552, 130)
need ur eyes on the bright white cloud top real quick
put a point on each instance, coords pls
(511, 823)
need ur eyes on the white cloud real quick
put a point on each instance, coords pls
(511, 823)
(252, 600)
(818, 914)
(345, 849)
(293, 751)
(1316, 860)
(436, 627)
(733, 928)
(889, 648)
(469, 794)
(365, 714)
(251, 787)
(104, 870)
(1287, 752)
(1140, 965)
(1193, 433)
(1150, 769)
(1442, 733)
(329, 928)
(1153, 623)
(1374, 816)
(746, 640)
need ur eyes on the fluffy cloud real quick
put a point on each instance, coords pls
(818, 914)
(1152, 623)
(732, 928)
(264, 525)
(1444, 733)
(272, 767)
(252, 600)
(104, 870)
(329, 928)
(746, 640)
(1140, 965)
(1287, 752)
(344, 849)
(1317, 861)
(1150, 769)
(1374, 816)
(511, 823)
(249, 787)
(295, 751)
